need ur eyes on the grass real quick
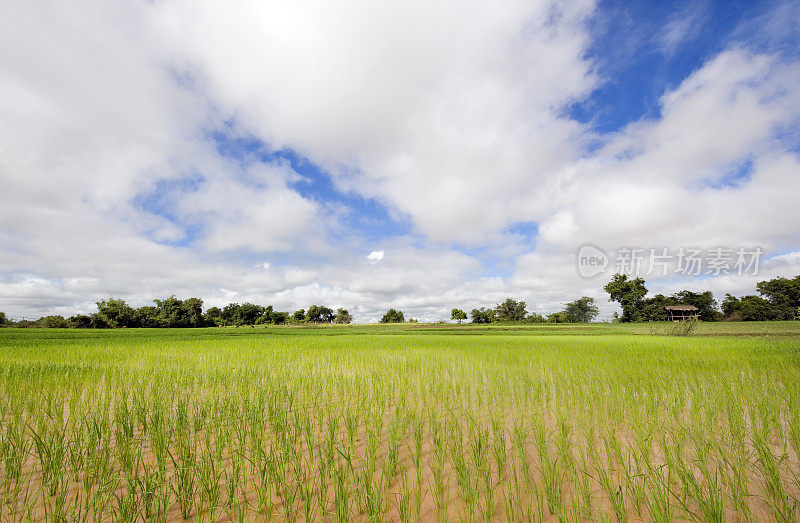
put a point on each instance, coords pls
(402, 422)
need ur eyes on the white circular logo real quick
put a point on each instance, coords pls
(591, 261)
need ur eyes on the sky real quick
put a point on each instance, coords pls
(415, 155)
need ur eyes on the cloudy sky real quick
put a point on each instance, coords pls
(418, 155)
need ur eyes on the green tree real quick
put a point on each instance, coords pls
(249, 313)
(116, 313)
(510, 310)
(172, 313)
(783, 294)
(3, 319)
(80, 321)
(482, 315)
(749, 308)
(654, 309)
(342, 316)
(534, 318)
(582, 310)
(230, 314)
(319, 314)
(393, 316)
(52, 322)
(213, 317)
(99, 321)
(147, 316)
(267, 317)
(299, 315)
(194, 311)
(628, 293)
(559, 317)
(458, 315)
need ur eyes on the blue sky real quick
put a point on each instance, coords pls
(417, 156)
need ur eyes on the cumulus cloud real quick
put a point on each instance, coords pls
(454, 116)
(449, 113)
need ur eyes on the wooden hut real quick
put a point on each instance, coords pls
(681, 312)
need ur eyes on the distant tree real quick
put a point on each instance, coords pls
(267, 316)
(482, 315)
(3, 319)
(654, 309)
(749, 308)
(116, 313)
(273, 317)
(342, 316)
(230, 314)
(147, 316)
(535, 318)
(510, 310)
(393, 316)
(249, 313)
(628, 293)
(172, 313)
(80, 321)
(458, 315)
(559, 317)
(413, 320)
(241, 314)
(194, 311)
(52, 322)
(299, 315)
(319, 314)
(582, 310)
(99, 321)
(783, 294)
(212, 317)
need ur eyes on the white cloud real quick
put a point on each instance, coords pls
(450, 114)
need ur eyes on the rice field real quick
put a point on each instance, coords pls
(401, 423)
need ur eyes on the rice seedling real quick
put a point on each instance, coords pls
(296, 424)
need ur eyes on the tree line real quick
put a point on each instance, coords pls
(582, 310)
(778, 299)
(175, 313)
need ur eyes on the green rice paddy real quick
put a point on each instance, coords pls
(402, 423)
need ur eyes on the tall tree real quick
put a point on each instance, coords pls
(458, 315)
(749, 308)
(342, 316)
(510, 310)
(628, 293)
(319, 314)
(482, 315)
(783, 294)
(194, 311)
(582, 310)
(393, 316)
(116, 313)
(213, 317)
(172, 313)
